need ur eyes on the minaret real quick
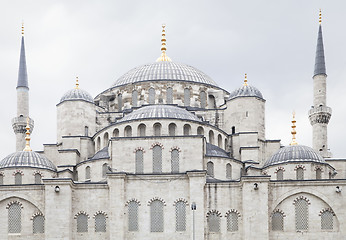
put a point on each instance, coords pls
(19, 123)
(319, 113)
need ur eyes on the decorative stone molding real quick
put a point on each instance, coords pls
(14, 202)
(301, 197)
(156, 198)
(36, 214)
(278, 211)
(232, 211)
(138, 149)
(175, 148)
(279, 168)
(180, 200)
(300, 166)
(133, 200)
(156, 144)
(100, 212)
(326, 210)
(318, 167)
(214, 212)
(18, 171)
(37, 172)
(79, 213)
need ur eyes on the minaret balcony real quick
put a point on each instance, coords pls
(19, 124)
(320, 114)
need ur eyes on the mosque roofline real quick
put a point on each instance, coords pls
(298, 161)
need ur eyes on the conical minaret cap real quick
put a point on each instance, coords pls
(320, 65)
(22, 73)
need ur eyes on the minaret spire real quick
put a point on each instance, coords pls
(22, 73)
(320, 65)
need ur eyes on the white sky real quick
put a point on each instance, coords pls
(272, 41)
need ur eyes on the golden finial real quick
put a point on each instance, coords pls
(294, 132)
(77, 83)
(27, 137)
(23, 28)
(163, 57)
(320, 17)
(245, 80)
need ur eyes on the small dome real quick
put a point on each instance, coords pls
(294, 153)
(246, 91)
(27, 159)
(164, 71)
(160, 111)
(215, 151)
(77, 94)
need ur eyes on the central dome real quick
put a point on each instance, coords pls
(164, 71)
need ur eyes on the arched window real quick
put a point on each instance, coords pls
(86, 131)
(157, 159)
(18, 178)
(14, 218)
(210, 169)
(211, 137)
(175, 161)
(219, 141)
(277, 221)
(141, 130)
(151, 96)
(302, 214)
(200, 131)
(134, 98)
(132, 209)
(128, 131)
(139, 161)
(318, 173)
(1, 179)
(211, 102)
(226, 144)
(186, 97)
(180, 216)
(169, 95)
(116, 132)
(98, 144)
(233, 130)
(280, 174)
(120, 102)
(228, 171)
(100, 223)
(87, 173)
(232, 222)
(187, 129)
(38, 224)
(105, 139)
(82, 223)
(157, 129)
(327, 220)
(203, 97)
(300, 173)
(104, 170)
(214, 222)
(156, 216)
(172, 129)
(37, 178)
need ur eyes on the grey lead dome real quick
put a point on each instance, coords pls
(27, 159)
(77, 94)
(164, 71)
(246, 91)
(294, 153)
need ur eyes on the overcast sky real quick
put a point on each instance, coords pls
(273, 41)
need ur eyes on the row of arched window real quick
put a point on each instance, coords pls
(18, 178)
(100, 221)
(214, 221)
(301, 207)
(210, 170)
(299, 173)
(88, 171)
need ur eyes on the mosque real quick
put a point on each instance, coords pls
(166, 153)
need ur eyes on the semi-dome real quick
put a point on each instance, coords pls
(164, 71)
(215, 151)
(77, 94)
(160, 111)
(294, 153)
(246, 91)
(27, 159)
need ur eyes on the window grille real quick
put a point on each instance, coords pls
(327, 220)
(157, 129)
(169, 95)
(200, 131)
(232, 222)
(116, 133)
(38, 224)
(134, 98)
(156, 216)
(214, 222)
(18, 178)
(120, 102)
(157, 159)
(180, 216)
(139, 161)
(1, 179)
(318, 173)
(175, 161)
(87, 173)
(210, 169)
(211, 137)
(104, 170)
(203, 99)
(151, 96)
(171, 129)
(37, 178)
(228, 171)
(128, 131)
(133, 216)
(100, 223)
(300, 173)
(14, 218)
(219, 141)
(187, 129)
(302, 214)
(141, 130)
(280, 174)
(186, 97)
(82, 223)
(277, 221)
